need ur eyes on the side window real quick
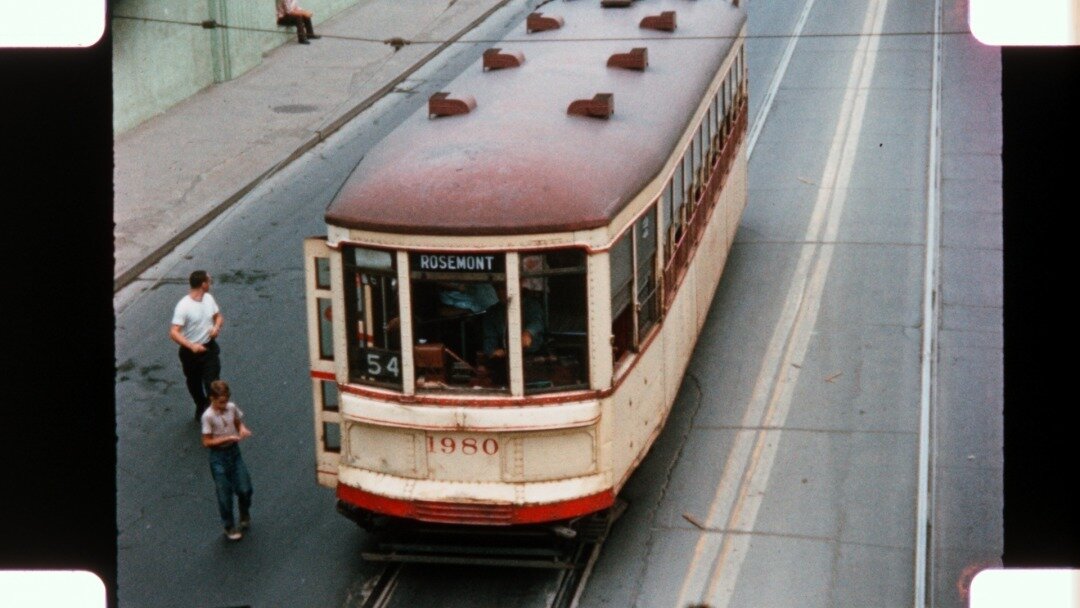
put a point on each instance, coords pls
(634, 287)
(723, 112)
(331, 434)
(730, 110)
(621, 260)
(646, 298)
(372, 316)
(667, 213)
(332, 437)
(688, 179)
(698, 160)
(459, 321)
(678, 192)
(742, 69)
(711, 121)
(322, 273)
(326, 329)
(554, 320)
(736, 74)
(702, 143)
(324, 324)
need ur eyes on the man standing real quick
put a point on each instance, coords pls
(222, 430)
(196, 323)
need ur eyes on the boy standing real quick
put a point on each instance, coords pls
(222, 430)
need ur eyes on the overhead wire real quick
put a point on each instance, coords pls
(211, 24)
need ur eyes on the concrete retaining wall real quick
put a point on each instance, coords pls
(161, 55)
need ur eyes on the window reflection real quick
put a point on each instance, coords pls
(326, 329)
(455, 297)
(553, 310)
(461, 322)
(371, 299)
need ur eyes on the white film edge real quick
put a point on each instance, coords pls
(1027, 23)
(1023, 587)
(51, 589)
(51, 23)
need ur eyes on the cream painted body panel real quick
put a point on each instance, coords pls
(494, 450)
(642, 402)
(638, 408)
(460, 418)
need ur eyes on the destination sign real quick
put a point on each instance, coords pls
(456, 262)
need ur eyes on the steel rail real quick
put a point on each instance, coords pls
(383, 589)
(571, 582)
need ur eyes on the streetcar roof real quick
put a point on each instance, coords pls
(518, 163)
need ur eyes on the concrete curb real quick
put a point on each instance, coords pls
(126, 277)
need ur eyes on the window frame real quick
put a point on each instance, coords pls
(413, 274)
(641, 331)
(546, 274)
(353, 347)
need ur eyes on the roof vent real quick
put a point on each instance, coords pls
(636, 59)
(537, 22)
(496, 60)
(615, 3)
(441, 104)
(665, 22)
(601, 105)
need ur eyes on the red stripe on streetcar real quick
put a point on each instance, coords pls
(475, 513)
(323, 375)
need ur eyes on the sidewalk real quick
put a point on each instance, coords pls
(177, 171)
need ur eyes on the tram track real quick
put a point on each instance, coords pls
(381, 589)
(572, 581)
(570, 568)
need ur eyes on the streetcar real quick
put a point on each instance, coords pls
(512, 281)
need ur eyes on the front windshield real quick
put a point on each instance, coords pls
(457, 299)
(461, 322)
(371, 299)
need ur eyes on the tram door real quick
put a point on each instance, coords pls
(321, 266)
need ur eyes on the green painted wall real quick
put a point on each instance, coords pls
(161, 55)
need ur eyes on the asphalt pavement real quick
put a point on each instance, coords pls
(179, 170)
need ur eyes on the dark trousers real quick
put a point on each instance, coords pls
(303, 26)
(230, 477)
(200, 369)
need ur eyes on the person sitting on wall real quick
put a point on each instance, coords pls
(290, 13)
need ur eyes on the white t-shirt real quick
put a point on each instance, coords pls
(195, 319)
(220, 424)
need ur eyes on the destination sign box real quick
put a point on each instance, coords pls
(458, 262)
